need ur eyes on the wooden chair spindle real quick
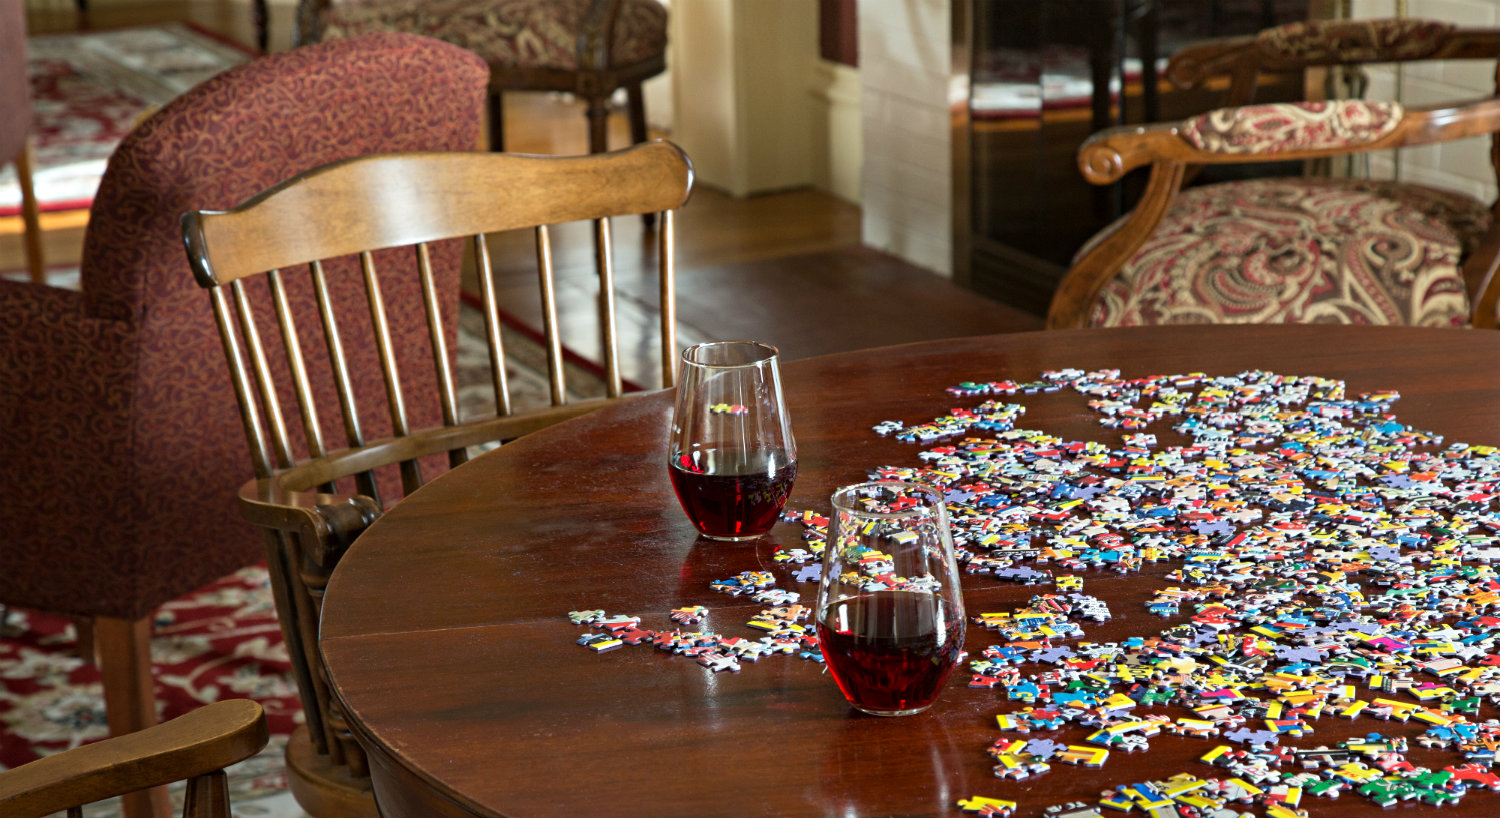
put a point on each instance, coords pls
(549, 316)
(609, 333)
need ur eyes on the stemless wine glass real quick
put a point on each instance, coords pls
(731, 457)
(890, 613)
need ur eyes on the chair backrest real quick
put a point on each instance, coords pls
(15, 82)
(376, 203)
(359, 347)
(194, 747)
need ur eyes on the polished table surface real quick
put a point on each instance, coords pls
(446, 635)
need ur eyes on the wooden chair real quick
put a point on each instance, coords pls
(16, 143)
(1298, 249)
(194, 747)
(359, 348)
(589, 48)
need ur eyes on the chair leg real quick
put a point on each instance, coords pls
(31, 214)
(261, 17)
(497, 122)
(124, 649)
(83, 627)
(636, 108)
(598, 115)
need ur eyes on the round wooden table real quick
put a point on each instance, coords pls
(446, 633)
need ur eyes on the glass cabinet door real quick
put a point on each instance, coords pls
(1043, 76)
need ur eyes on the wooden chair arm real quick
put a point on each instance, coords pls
(194, 746)
(325, 523)
(1193, 65)
(1108, 155)
(290, 502)
(1080, 287)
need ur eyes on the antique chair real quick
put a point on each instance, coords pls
(194, 747)
(344, 372)
(1298, 249)
(15, 127)
(123, 447)
(590, 48)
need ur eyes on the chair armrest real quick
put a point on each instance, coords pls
(1282, 131)
(325, 523)
(200, 742)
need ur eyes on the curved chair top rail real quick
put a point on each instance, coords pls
(411, 198)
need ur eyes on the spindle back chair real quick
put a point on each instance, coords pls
(370, 331)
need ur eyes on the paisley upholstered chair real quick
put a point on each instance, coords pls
(15, 126)
(1300, 249)
(123, 446)
(589, 48)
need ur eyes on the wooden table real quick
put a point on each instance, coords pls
(445, 629)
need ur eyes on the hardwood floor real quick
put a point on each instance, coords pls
(785, 267)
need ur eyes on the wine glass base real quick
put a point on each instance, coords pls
(717, 538)
(911, 711)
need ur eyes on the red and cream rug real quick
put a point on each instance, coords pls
(221, 642)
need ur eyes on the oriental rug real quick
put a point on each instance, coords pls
(88, 90)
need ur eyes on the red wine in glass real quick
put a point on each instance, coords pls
(732, 493)
(888, 651)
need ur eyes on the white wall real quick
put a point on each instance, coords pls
(904, 67)
(1463, 165)
(754, 104)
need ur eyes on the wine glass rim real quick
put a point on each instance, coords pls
(926, 488)
(768, 352)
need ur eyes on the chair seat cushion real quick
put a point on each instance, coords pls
(509, 33)
(1301, 250)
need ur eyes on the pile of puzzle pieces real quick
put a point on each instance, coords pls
(1324, 561)
(1328, 561)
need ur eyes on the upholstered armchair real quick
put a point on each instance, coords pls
(1295, 249)
(15, 126)
(589, 48)
(123, 447)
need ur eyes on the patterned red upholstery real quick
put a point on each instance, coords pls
(123, 447)
(512, 33)
(1300, 250)
(15, 89)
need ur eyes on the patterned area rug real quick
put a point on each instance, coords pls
(89, 88)
(220, 642)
